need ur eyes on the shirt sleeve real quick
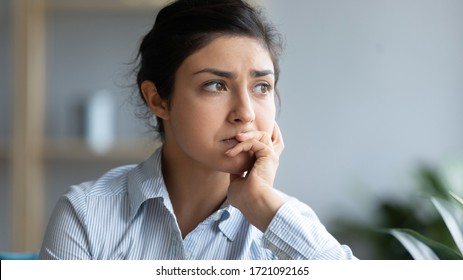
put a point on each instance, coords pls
(296, 233)
(65, 237)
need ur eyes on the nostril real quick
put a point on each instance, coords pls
(243, 121)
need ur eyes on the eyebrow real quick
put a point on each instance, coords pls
(231, 75)
(257, 73)
(217, 72)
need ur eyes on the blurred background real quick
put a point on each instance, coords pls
(371, 91)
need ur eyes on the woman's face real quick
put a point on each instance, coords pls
(225, 88)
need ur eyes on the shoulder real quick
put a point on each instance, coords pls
(111, 183)
(106, 192)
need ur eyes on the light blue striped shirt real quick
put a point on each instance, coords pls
(127, 214)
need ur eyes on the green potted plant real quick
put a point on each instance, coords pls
(425, 226)
(450, 207)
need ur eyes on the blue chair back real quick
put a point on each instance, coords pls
(19, 255)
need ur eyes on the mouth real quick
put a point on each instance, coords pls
(230, 141)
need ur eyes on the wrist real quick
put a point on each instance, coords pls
(260, 209)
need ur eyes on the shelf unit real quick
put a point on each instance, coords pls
(74, 149)
(29, 149)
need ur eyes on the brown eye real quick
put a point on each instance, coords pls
(215, 86)
(262, 88)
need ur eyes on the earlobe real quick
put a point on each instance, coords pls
(153, 100)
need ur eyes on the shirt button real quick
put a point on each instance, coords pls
(217, 216)
(272, 247)
(282, 256)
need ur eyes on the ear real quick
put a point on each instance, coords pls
(154, 101)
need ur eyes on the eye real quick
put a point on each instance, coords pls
(215, 86)
(263, 88)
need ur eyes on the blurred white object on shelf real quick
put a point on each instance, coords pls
(100, 121)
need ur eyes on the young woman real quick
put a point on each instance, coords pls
(208, 71)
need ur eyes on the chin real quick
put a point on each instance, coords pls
(240, 164)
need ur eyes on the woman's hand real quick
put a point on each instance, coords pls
(252, 193)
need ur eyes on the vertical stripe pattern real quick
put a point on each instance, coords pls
(127, 214)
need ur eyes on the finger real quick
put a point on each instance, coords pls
(251, 145)
(261, 136)
(277, 140)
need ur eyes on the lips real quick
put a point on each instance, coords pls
(231, 142)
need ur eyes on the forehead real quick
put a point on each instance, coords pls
(233, 53)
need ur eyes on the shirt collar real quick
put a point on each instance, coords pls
(146, 182)
(232, 221)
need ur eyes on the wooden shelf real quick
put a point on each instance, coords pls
(133, 150)
(73, 149)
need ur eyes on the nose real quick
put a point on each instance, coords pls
(242, 108)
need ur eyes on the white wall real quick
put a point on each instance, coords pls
(369, 89)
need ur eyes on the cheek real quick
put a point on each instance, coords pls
(265, 118)
(193, 121)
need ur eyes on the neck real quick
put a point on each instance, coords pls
(195, 191)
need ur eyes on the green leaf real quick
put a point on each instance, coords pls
(423, 248)
(452, 214)
(430, 180)
(457, 198)
(416, 248)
